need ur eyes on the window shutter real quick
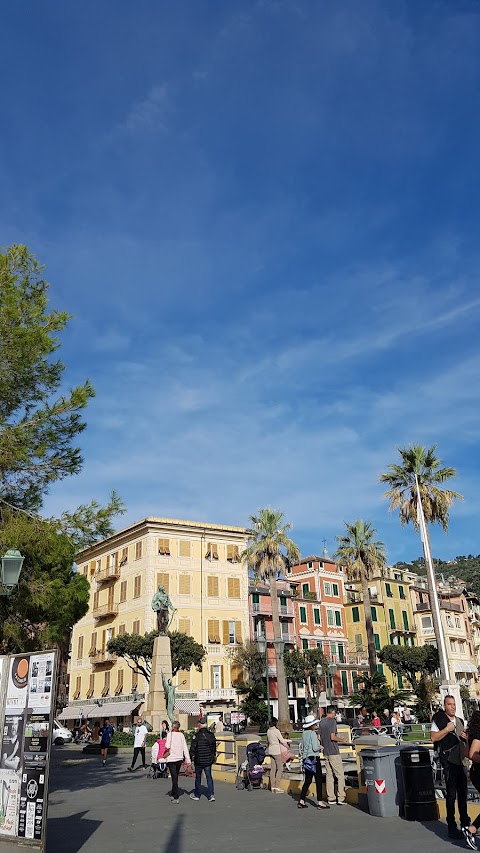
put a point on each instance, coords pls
(95, 600)
(232, 553)
(136, 627)
(213, 631)
(119, 687)
(121, 630)
(212, 586)
(184, 550)
(124, 559)
(183, 675)
(234, 587)
(222, 683)
(338, 619)
(238, 632)
(164, 546)
(163, 579)
(184, 626)
(184, 584)
(91, 686)
(80, 648)
(226, 632)
(236, 674)
(106, 684)
(123, 591)
(93, 644)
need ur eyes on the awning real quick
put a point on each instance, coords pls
(116, 709)
(464, 667)
(188, 706)
(72, 712)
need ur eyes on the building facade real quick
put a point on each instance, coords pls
(200, 567)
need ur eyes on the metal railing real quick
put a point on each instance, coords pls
(109, 609)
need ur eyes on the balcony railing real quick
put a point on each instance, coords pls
(109, 574)
(102, 657)
(216, 693)
(104, 610)
(444, 605)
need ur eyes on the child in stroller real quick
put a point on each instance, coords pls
(250, 773)
(158, 767)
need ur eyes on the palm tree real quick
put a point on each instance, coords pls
(268, 551)
(362, 556)
(421, 464)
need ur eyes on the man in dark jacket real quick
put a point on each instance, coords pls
(448, 734)
(203, 752)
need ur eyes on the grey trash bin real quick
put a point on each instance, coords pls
(381, 778)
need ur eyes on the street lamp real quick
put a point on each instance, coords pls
(12, 563)
(331, 668)
(262, 648)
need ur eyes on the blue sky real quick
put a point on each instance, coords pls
(264, 218)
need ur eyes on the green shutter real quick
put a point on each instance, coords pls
(344, 678)
(391, 614)
(341, 653)
(256, 598)
(401, 591)
(374, 614)
(355, 614)
(303, 614)
(405, 619)
(305, 588)
(400, 682)
(283, 601)
(338, 618)
(316, 616)
(380, 668)
(304, 644)
(335, 589)
(388, 589)
(376, 638)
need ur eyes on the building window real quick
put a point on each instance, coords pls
(184, 548)
(91, 686)
(96, 598)
(374, 614)
(427, 625)
(344, 677)
(355, 614)
(327, 588)
(391, 616)
(163, 579)
(212, 586)
(106, 683)
(330, 618)
(184, 679)
(78, 687)
(358, 643)
(121, 630)
(305, 589)
(338, 619)
(80, 648)
(453, 645)
(316, 616)
(164, 547)
(124, 557)
(93, 645)
(260, 629)
(212, 551)
(119, 687)
(461, 647)
(255, 598)
(213, 631)
(376, 639)
(233, 555)
(303, 615)
(401, 592)
(217, 677)
(335, 590)
(137, 586)
(310, 565)
(184, 584)
(341, 653)
(388, 590)
(138, 550)
(457, 621)
(405, 620)
(184, 626)
(123, 591)
(304, 644)
(333, 650)
(283, 601)
(136, 627)
(234, 587)
(236, 674)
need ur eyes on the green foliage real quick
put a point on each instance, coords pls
(137, 651)
(410, 661)
(426, 691)
(249, 658)
(91, 522)
(127, 738)
(375, 694)
(253, 704)
(301, 664)
(37, 424)
(465, 568)
(422, 463)
(269, 547)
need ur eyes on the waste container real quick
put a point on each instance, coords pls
(418, 784)
(380, 772)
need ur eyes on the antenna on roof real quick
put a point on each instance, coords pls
(325, 552)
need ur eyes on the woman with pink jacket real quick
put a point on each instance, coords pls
(176, 752)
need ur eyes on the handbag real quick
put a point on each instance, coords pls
(310, 764)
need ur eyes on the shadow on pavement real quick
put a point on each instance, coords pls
(73, 769)
(439, 828)
(173, 844)
(69, 834)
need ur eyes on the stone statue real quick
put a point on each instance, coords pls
(161, 604)
(170, 691)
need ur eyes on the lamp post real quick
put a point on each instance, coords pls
(262, 648)
(328, 671)
(12, 563)
(279, 646)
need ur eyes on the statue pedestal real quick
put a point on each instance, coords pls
(161, 662)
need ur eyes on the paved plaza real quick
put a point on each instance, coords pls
(95, 809)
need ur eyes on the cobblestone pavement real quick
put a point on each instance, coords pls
(93, 809)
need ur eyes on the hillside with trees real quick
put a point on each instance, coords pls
(464, 568)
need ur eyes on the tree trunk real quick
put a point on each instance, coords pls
(283, 708)
(372, 655)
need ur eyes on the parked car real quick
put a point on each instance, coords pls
(61, 734)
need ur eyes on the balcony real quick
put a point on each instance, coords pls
(217, 693)
(112, 573)
(101, 658)
(444, 605)
(105, 610)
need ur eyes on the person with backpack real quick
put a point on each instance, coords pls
(448, 731)
(203, 752)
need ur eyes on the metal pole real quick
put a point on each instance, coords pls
(268, 684)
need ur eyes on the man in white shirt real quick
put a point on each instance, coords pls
(140, 736)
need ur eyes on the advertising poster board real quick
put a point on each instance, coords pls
(27, 706)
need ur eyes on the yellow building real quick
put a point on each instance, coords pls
(392, 618)
(200, 567)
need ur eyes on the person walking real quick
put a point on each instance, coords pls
(333, 760)
(106, 733)
(275, 742)
(139, 737)
(448, 731)
(311, 762)
(203, 752)
(473, 734)
(176, 752)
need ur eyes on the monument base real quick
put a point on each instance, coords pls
(156, 708)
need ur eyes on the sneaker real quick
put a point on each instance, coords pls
(469, 838)
(455, 833)
(130, 769)
(175, 802)
(287, 766)
(104, 762)
(342, 803)
(194, 796)
(332, 802)
(211, 799)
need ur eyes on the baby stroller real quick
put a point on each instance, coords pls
(250, 773)
(158, 767)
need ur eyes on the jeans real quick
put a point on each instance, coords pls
(456, 784)
(136, 751)
(308, 781)
(198, 780)
(475, 779)
(174, 767)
